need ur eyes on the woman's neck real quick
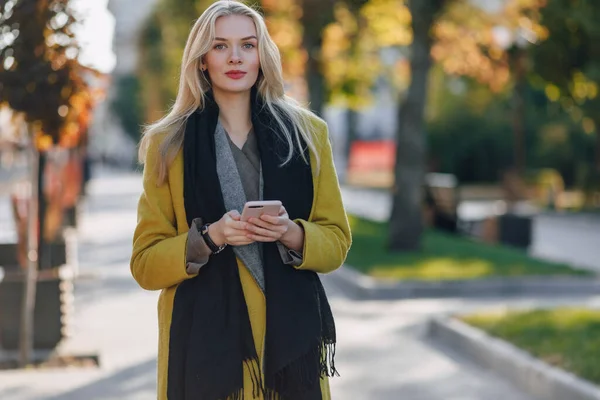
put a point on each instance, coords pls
(234, 112)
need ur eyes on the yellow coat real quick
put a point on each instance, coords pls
(158, 260)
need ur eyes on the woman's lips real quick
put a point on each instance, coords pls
(235, 74)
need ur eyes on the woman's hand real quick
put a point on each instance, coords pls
(230, 229)
(270, 228)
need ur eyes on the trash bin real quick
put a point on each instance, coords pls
(515, 230)
(53, 297)
(441, 201)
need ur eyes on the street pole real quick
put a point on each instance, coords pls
(28, 308)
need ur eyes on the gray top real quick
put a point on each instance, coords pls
(247, 160)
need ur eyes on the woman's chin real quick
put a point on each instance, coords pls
(234, 87)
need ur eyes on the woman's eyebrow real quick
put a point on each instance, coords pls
(244, 38)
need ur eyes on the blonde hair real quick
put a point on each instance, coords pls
(193, 86)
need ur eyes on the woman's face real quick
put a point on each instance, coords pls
(232, 62)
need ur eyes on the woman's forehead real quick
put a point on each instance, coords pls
(234, 27)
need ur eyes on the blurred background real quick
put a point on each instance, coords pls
(466, 140)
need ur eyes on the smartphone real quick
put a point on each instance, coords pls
(260, 207)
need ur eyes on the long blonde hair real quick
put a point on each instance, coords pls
(193, 85)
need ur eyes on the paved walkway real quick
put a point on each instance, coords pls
(383, 353)
(114, 318)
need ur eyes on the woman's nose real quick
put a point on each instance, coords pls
(235, 57)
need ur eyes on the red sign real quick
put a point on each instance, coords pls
(372, 156)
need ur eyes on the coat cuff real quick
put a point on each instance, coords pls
(289, 256)
(198, 252)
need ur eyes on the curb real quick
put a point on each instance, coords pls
(45, 356)
(528, 373)
(364, 286)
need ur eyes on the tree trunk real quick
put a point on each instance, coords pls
(315, 83)
(27, 311)
(351, 114)
(316, 15)
(406, 220)
(519, 149)
(597, 152)
(592, 182)
(43, 255)
(351, 133)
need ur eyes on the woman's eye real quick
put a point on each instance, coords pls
(248, 45)
(220, 46)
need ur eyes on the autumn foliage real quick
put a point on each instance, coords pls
(40, 75)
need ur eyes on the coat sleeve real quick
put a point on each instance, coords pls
(327, 236)
(198, 251)
(159, 254)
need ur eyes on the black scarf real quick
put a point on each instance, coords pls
(210, 335)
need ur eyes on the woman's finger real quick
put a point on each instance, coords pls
(242, 242)
(269, 221)
(273, 220)
(260, 223)
(237, 225)
(258, 238)
(256, 230)
(235, 215)
(231, 233)
(238, 238)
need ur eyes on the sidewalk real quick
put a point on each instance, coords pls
(114, 318)
(382, 351)
(384, 354)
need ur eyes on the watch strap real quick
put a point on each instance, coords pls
(211, 245)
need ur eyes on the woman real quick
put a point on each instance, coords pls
(242, 312)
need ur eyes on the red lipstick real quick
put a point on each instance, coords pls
(235, 74)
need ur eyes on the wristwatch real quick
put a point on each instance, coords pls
(211, 245)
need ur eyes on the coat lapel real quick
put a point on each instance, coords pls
(233, 194)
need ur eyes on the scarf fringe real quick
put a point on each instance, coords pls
(257, 382)
(258, 387)
(327, 365)
(298, 376)
(238, 395)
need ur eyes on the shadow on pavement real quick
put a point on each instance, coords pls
(109, 255)
(15, 392)
(138, 381)
(93, 291)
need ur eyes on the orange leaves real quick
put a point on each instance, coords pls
(282, 19)
(42, 141)
(473, 41)
(464, 45)
(43, 80)
(353, 44)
